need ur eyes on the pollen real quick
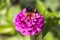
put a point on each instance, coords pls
(30, 15)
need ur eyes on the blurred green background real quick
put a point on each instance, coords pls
(50, 9)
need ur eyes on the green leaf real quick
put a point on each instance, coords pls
(1, 38)
(40, 6)
(16, 37)
(12, 12)
(7, 29)
(52, 4)
(2, 4)
(49, 36)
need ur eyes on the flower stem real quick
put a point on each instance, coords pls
(39, 36)
(28, 38)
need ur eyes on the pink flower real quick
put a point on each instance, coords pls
(29, 23)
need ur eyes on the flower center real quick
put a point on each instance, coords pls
(30, 15)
